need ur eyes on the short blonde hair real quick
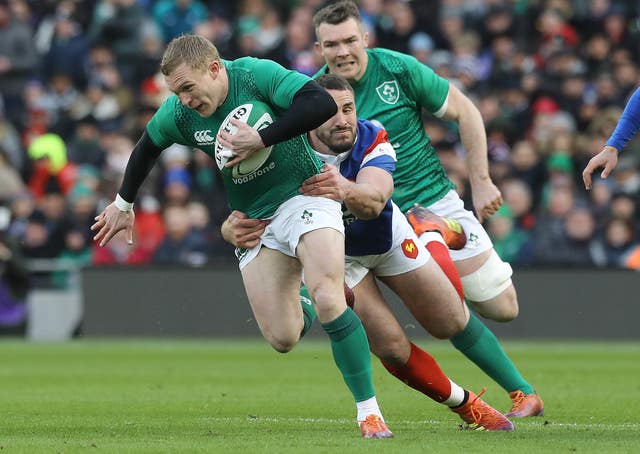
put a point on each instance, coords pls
(193, 50)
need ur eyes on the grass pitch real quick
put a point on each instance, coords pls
(240, 396)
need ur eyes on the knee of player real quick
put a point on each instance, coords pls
(489, 282)
(446, 331)
(283, 344)
(502, 308)
(392, 351)
(325, 296)
(508, 303)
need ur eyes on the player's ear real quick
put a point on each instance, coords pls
(214, 68)
(365, 39)
(317, 48)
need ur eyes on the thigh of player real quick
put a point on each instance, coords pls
(272, 283)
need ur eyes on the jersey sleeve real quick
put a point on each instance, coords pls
(277, 83)
(379, 152)
(424, 85)
(162, 127)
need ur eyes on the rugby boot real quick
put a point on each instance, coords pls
(479, 415)
(423, 220)
(525, 405)
(374, 427)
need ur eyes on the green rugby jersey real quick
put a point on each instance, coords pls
(393, 91)
(259, 192)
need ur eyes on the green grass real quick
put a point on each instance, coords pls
(240, 396)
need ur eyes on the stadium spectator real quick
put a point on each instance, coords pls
(18, 61)
(176, 17)
(182, 244)
(67, 49)
(11, 184)
(10, 142)
(50, 166)
(616, 244)
(508, 239)
(120, 25)
(15, 281)
(519, 198)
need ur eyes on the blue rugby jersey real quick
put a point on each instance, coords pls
(372, 148)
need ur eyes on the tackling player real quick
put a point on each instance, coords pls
(380, 243)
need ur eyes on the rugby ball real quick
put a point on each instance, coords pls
(257, 115)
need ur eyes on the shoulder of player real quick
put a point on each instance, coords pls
(392, 60)
(170, 107)
(248, 64)
(371, 136)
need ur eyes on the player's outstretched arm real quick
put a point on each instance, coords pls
(119, 215)
(607, 159)
(627, 127)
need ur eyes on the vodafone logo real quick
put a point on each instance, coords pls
(203, 137)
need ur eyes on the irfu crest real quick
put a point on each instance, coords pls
(388, 91)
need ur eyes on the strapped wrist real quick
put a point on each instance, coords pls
(122, 204)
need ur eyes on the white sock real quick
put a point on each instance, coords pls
(456, 397)
(428, 237)
(368, 407)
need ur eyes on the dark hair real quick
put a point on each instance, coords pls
(333, 82)
(337, 13)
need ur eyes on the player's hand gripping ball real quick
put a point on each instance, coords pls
(257, 115)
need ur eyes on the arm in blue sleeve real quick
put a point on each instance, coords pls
(628, 124)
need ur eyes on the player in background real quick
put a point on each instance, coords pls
(391, 89)
(304, 232)
(627, 127)
(379, 242)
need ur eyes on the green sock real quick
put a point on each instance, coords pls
(351, 353)
(308, 310)
(481, 346)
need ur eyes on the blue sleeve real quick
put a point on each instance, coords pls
(382, 162)
(628, 124)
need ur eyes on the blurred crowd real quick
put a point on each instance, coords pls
(79, 80)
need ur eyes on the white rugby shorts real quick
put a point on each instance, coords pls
(406, 254)
(292, 219)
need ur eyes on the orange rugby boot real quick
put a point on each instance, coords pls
(423, 220)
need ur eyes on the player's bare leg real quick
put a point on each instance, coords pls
(272, 281)
(322, 255)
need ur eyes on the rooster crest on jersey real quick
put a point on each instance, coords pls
(258, 116)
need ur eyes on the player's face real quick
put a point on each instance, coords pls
(339, 132)
(202, 91)
(343, 48)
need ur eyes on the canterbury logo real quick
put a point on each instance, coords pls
(409, 248)
(203, 137)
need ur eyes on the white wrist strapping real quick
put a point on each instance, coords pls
(122, 204)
